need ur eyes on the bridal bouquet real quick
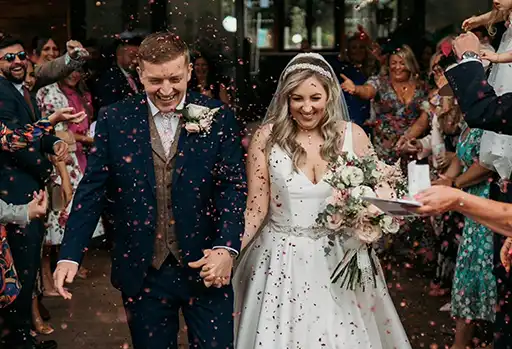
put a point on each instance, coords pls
(346, 213)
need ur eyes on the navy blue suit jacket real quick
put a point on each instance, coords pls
(208, 190)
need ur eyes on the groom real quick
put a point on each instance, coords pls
(176, 193)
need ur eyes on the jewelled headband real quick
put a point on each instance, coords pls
(307, 66)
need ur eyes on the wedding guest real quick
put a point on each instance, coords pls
(485, 110)
(399, 97)
(120, 80)
(69, 92)
(206, 81)
(49, 67)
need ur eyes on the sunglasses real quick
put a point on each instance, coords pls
(11, 57)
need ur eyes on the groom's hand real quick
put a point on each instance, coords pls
(65, 271)
(216, 267)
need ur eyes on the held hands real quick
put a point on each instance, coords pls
(38, 206)
(348, 85)
(216, 266)
(65, 271)
(66, 114)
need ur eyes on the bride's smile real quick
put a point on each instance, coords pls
(307, 103)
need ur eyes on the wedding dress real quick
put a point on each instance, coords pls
(283, 295)
(500, 77)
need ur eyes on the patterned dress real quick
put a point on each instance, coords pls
(49, 99)
(392, 117)
(474, 292)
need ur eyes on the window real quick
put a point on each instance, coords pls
(259, 23)
(295, 29)
(309, 24)
(323, 31)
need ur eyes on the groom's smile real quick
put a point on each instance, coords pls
(166, 83)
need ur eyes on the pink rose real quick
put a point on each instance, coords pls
(368, 233)
(192, 128)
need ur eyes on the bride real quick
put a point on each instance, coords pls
(283, 294)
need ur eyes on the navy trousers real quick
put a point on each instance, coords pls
(153, 315)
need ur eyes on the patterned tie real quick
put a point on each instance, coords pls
(168, 134)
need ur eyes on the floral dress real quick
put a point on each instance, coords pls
(49, 99)
(474, 292)
(392, 117)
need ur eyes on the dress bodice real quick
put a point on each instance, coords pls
(294, 200)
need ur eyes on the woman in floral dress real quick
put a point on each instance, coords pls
(474, 291)
(398, 102)
(69, 92)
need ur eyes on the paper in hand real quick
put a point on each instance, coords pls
(419, 178)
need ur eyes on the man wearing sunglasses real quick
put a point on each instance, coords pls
(21, 174)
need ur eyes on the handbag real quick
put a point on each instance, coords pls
(55, 196)
(10, 286)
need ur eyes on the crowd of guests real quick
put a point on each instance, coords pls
(402, 101)
(50, 99)
(397, 95)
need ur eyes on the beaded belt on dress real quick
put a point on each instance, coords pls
(298, 231)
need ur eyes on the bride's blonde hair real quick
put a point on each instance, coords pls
(496, 16)
(285, 129)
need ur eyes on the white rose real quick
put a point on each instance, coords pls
(352, 176)
(389, 225)
(376, 174)
(361, 191)
(195, 111)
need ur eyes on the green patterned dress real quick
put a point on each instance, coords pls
(474, 291)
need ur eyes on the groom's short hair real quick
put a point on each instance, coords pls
(161, 47)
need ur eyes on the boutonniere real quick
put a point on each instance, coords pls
(198, 118)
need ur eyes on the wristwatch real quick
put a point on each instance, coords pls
(471, 55)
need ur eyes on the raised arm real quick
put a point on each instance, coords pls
(258, 183)
(12, 140)
(481, 107)
(495, 215)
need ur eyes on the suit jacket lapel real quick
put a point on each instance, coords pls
(141, 123)
(19, 96)
(156, 142)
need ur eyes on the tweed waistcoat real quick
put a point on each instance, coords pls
(165, 235)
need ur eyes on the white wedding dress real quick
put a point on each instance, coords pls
(283, 295)
(500, 77)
